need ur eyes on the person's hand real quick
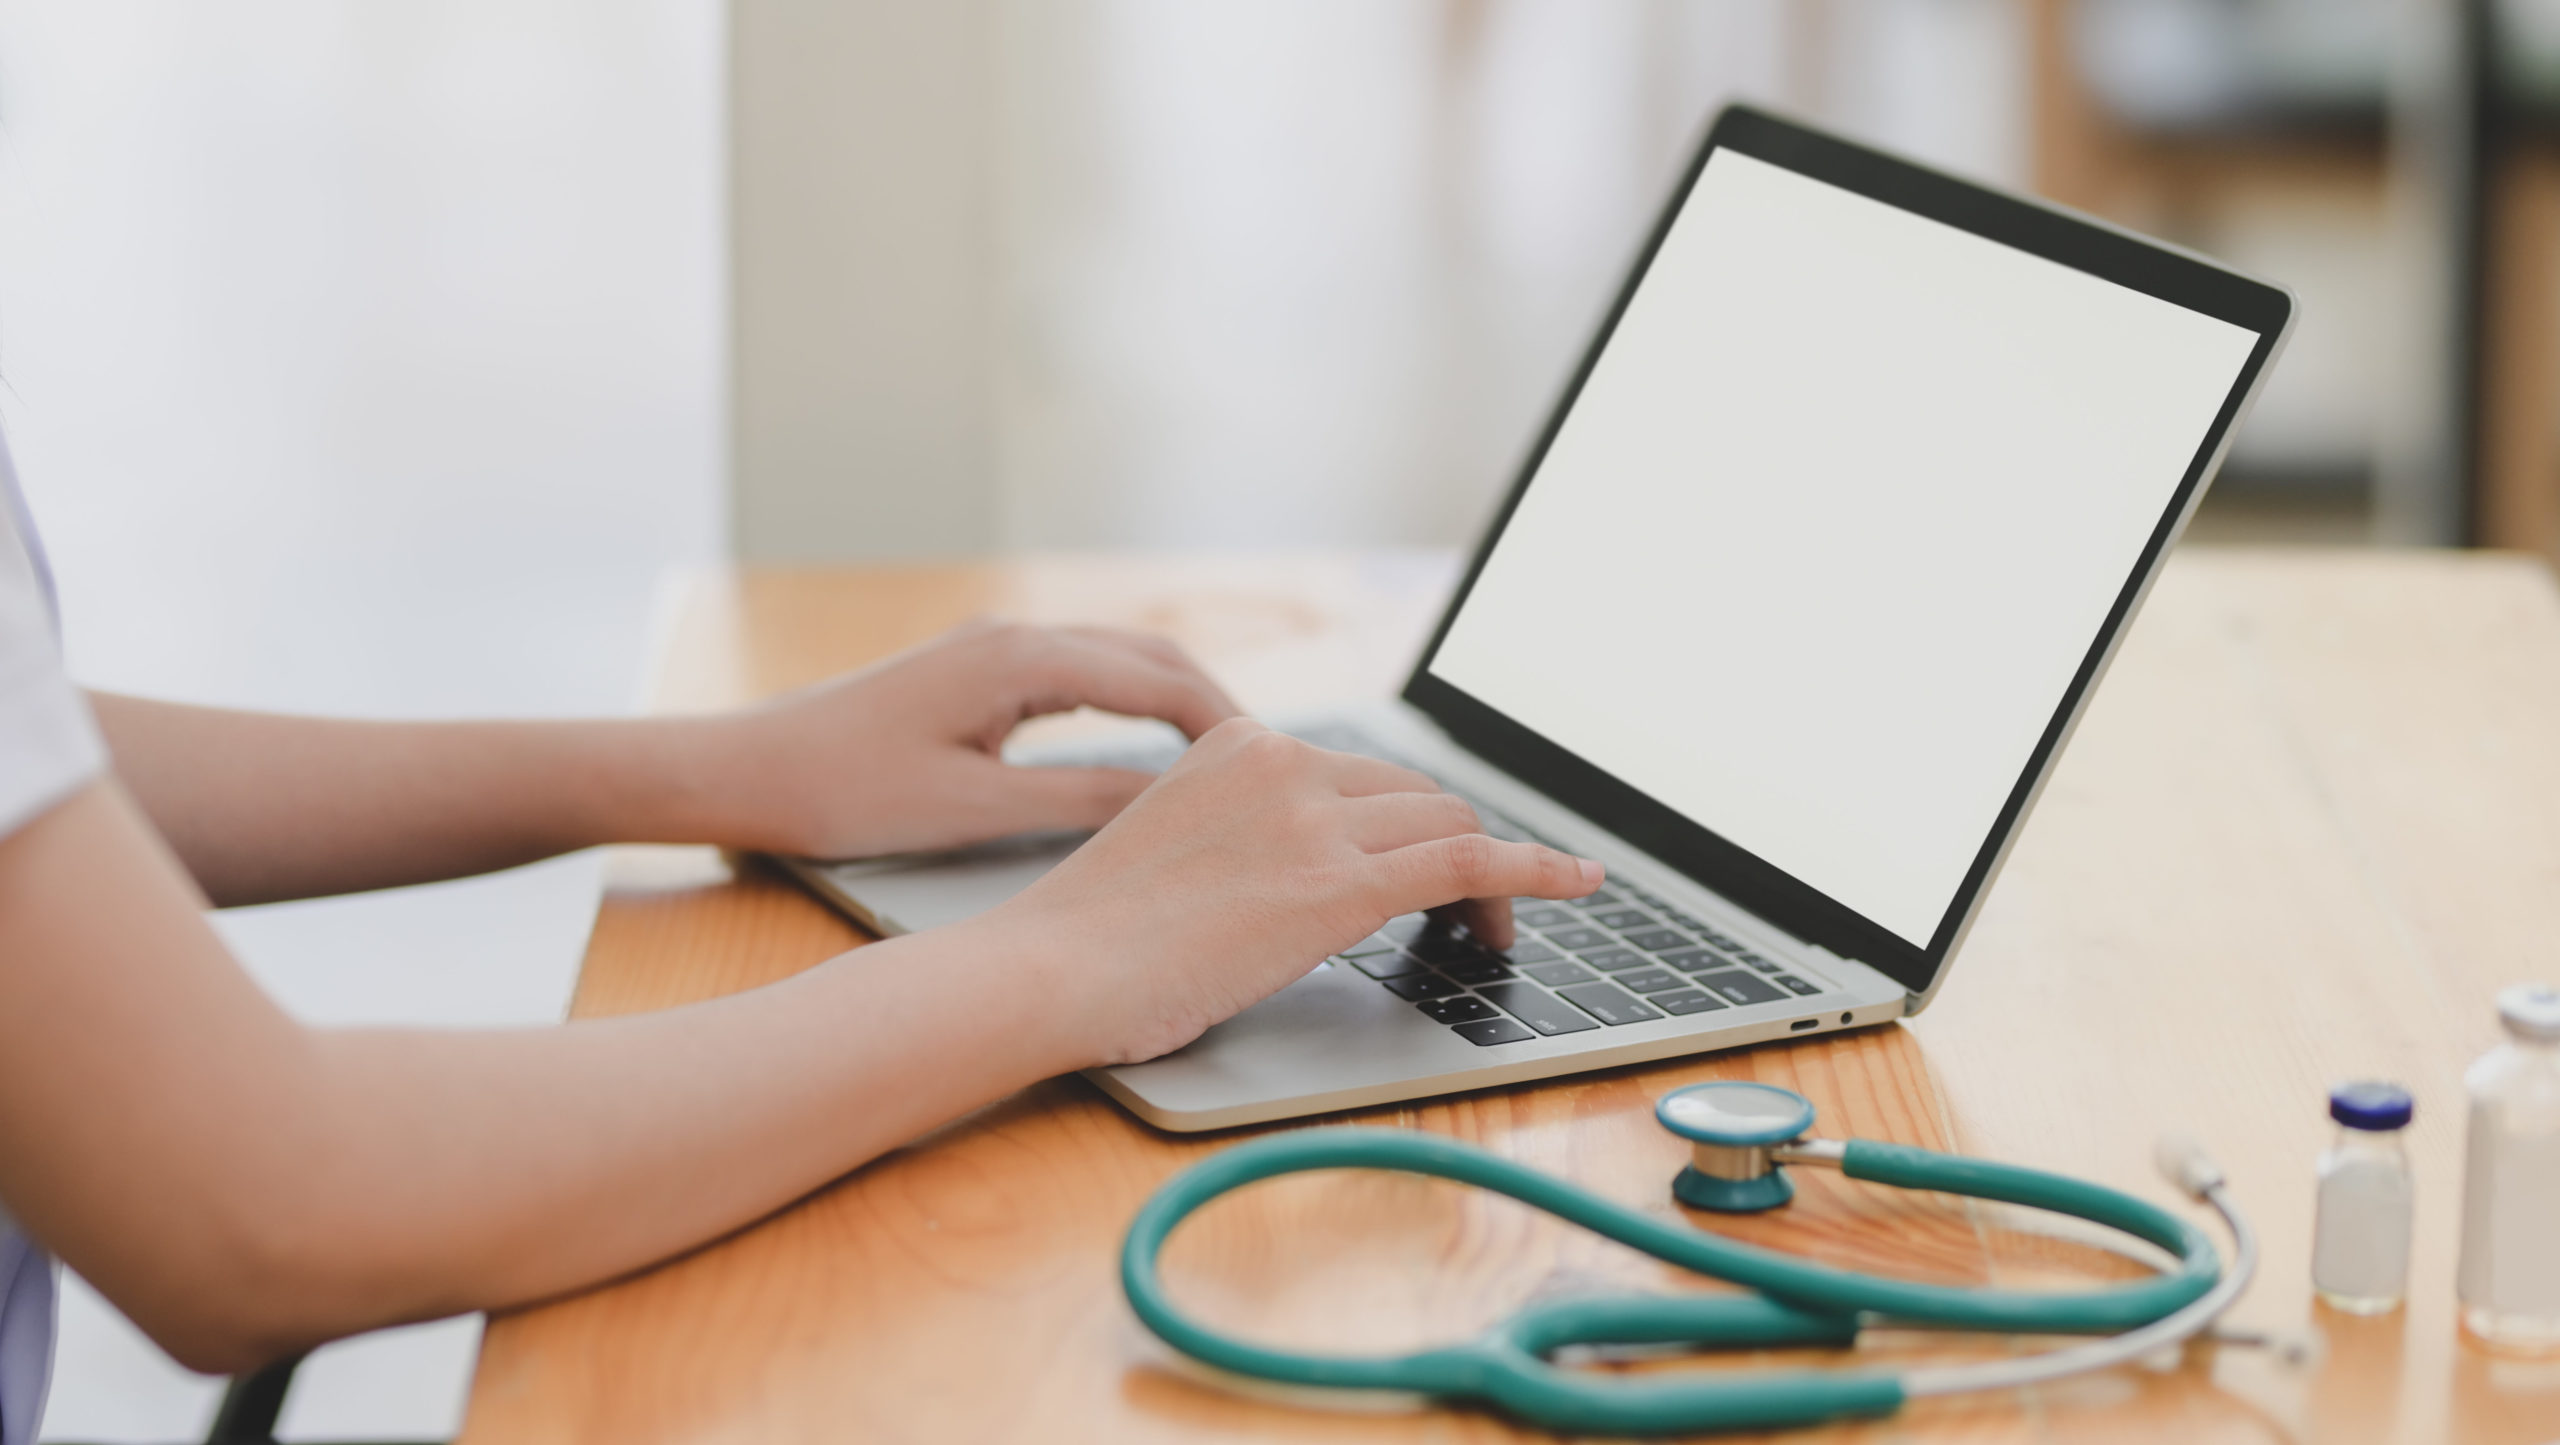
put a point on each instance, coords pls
(905, 755)
(1247, 863)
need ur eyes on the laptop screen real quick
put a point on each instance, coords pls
(1818, 551)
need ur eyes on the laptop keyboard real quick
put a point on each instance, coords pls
(1621, 956)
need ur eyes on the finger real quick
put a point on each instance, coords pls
(1152, 644)
(1384, 822)
(1163, 651)
(1063, 673)
(1474, 866)
(1488, 919)
(1004, 798)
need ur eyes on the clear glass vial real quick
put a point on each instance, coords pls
(2510, 1275)
(2360, 1246)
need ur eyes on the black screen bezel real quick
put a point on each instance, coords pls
(1697, 851)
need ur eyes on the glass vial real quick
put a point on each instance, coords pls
(2360, 1246)
(2510, 1275)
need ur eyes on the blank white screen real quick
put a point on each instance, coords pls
(1835, 519)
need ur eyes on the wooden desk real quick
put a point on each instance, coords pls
(2310, 826)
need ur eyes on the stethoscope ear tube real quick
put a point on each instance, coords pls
(2133, 1344)
(1799, 1302)
(2094, 1312)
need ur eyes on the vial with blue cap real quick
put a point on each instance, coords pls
(2360, 1246)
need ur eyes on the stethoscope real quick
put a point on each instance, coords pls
(1742, 1137)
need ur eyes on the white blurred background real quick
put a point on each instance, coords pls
(1311, 270)
(364, 358)
(1248, 273)
(381, 356)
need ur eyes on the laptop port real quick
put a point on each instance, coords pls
(1801, 1025)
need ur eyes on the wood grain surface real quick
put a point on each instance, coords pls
(2309, 827)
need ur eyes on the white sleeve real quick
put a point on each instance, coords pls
(48, 744)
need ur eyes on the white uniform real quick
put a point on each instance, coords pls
(49, 747)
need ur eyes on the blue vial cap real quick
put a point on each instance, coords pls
(2375, 1104)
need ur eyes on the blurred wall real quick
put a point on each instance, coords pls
(862, 203)
(1111, 272)
(311, 311)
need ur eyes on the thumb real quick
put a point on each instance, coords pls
(1025, 798)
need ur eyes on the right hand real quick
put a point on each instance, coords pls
(1249, 861)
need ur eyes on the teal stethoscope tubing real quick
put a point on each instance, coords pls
(1797, 1302)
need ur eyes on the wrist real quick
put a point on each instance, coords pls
(669, 780)
(1017, 985)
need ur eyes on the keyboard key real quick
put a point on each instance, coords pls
(1607, 1004)
(1446, 949)
(1420, 986)
(1529, 950)
(1538, 1008)
(1374, 943)
(1544, 915)
(1648, 980)
(1472, 974)
(1610, 960)
(1649, 899)
(1557, 975)
(1795, 985)
(1623, 919)
(1658, 940)
(1737, 987)
(1720, 940)
(1492, 1031)
(1407, 928)
(1385, 966)
(1683, 919)
(1578, 939)
(1684, 1001)
(1602, 899)
(1464, 1009)
(1695, 960)
(1759, 964)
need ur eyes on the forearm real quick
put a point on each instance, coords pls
(481, 1170)
(903, 756)
(262, 806)
(242, 1186)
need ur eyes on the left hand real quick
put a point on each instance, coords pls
(905, 755)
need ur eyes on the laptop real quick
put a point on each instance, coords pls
(1785, 620)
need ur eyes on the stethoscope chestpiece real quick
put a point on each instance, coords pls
(1733, 1127)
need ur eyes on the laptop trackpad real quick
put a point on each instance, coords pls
(917, 891)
